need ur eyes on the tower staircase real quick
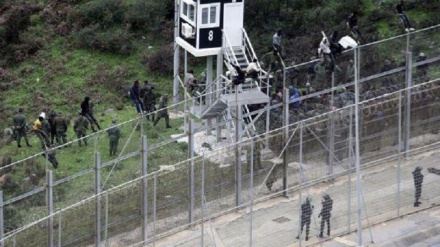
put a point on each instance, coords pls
(220, 94)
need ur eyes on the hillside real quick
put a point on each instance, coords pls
(53, 52)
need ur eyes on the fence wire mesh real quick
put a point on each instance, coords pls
(311, 161)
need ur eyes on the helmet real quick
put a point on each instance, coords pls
(43, 115)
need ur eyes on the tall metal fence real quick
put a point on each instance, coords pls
(124, 201)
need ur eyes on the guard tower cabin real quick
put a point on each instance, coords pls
(201, 23)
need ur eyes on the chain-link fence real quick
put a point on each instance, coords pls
(312, 157)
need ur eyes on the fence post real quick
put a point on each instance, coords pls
(209, 63)
(331, 131)
(238, 118)
(350, 160)
(408, 102)
(219, 73)
(203, 203)
(266, 144)
(285, 137)
(357, 149)
(144, 171)
(154, 207)
(176, 84)
(399, 143)
(49, 203)
(252, 188)
(1, 219)
(301, 177)
(98, 199)
(60, 230)
(191, 171)
(106, 221)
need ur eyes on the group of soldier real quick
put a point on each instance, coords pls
(325, 215)
(144, 100)
(52, 130)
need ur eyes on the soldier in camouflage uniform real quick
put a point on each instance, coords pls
(45, 127)
(113, 134)
(163, 112)
(19, 121)
(80, 126)
(149, 100)
(53, 130)
(61, 129)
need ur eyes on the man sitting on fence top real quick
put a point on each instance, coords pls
(252, 69)
(241, 75)
(276, 42)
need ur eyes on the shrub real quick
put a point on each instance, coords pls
(106, 13)
(146, 15)
(116, 41)
(160, 63)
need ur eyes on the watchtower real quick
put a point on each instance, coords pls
(201, 25)
(214, 28)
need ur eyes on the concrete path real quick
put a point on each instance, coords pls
(275, 222)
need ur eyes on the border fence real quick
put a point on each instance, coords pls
(313, 154)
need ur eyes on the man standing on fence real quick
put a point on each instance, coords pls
(418, 180)
(306, 215)
(327, 205)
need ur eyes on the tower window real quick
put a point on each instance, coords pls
(210, 16)
(188, 10)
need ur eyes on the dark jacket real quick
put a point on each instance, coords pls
(418, 176)
(85, 107)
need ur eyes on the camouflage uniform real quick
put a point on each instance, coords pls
(61, 129)
(113, 134)
(321, 78)
(149, 101)
(53, 130)
(45, 127)
(19, 121)
(80, 126)
(163, 112)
